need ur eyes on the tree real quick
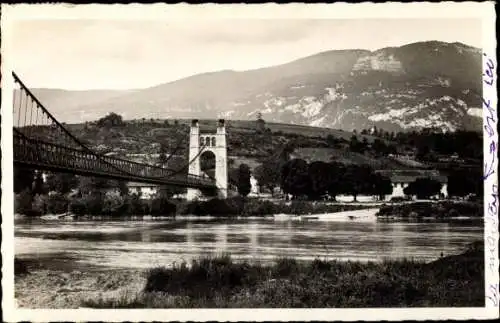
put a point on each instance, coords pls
(161, 206)
(381, 186)
(134, 205)
(38, 185)
(261, 124)
(335, 179)
(423, 188)
(232, 175)
(57, 203)
(114, 205)
(379, 147)
(111, 120)
(357, 180)
(23, 179)
(268, 175)
(295, 177)
(168, 191)
(122, 187)
(61, 182)
(244, 185)
(364, 145)
(462, 182)
(319, 173)
(22, 202)
(98, 185)
(423, 150)
(162, 158)
(354, 144)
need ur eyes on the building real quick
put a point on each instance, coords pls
(144, 190)
(400, 179)
(254, 190)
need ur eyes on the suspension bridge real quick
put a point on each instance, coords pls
(41, 142)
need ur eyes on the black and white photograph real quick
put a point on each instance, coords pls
(231, 157)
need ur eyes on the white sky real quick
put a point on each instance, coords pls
(92, 54)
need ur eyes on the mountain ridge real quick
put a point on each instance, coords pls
(433, 83)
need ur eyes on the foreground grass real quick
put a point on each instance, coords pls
(220, 282)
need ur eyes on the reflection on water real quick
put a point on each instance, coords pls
(144, 244)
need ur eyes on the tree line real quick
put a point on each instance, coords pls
(64, 192)
(431, 142)
(314, 180)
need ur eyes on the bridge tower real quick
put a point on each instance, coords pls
(216, 143)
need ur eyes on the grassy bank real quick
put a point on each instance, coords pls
(440, 210)
(238, 206)
(452, 281)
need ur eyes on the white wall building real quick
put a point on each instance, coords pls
(145, 191)
(254, 189)
(400, 179)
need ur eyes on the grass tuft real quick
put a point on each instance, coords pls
(220, 282)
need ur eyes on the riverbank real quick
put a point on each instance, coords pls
(221, 282)
(438, 210)
(235, 207)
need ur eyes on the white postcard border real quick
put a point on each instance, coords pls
(444, 10)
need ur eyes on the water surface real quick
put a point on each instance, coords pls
(144, 244)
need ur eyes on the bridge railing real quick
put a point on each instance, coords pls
(34, 125)
(37, 152)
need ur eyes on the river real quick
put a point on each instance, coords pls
(91, 244)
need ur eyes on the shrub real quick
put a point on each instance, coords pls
(20, 267)
(219, 282)
(187, 208)
(300, 207)
(93, 204)
(57, 203)
(113, 205)
(205, 277)
(285, 267)
(236, 203)
(217, 207)
(23, 204)
(161, 206)
(40, 203)
(134, 205)
(256, 207)
(78, 207)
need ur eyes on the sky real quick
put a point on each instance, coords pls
(106, 54)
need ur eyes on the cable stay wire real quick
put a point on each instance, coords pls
(189, 163)
(57, 123)
(76, 141)
(179, 145)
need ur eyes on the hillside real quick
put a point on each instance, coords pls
(144, 140)
(419, 85)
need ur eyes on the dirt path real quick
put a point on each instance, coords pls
(53, 289)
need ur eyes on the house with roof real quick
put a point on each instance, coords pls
(144, 190)
(400, 179)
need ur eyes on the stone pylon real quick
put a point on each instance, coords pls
(217, 144)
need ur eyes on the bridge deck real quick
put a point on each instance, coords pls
(42, 155)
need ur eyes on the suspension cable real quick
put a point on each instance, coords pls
(50, 118)
(174, 151)
(189, 163)
(53, 120)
